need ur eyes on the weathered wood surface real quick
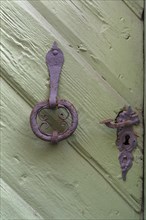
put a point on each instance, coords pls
(102, 72)
(137, 6)
(57, 182)
(13, 206)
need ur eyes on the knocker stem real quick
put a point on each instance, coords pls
(54, 61)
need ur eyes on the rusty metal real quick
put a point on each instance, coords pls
(54, 61)
(126, 138)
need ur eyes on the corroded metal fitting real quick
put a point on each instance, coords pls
(126, 138)
(54, 61)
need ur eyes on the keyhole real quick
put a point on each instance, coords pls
(127, 137)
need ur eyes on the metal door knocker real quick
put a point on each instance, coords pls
(41, 120)
(126, 138)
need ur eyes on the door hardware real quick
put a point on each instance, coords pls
(39, 118)
(126, 138)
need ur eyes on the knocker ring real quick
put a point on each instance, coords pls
(40, 120)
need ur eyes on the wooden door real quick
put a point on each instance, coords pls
(80, 178)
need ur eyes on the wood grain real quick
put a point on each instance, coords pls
(55, 181)
(97, 79)
(137, 6)
(104, 40)
(13, 206)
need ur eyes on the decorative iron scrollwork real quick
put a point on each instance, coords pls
(126, 138)
(66, 119)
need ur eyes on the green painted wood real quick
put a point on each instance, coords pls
(137, 6)
(57, 182)
(13, 206)
(81, 176)
(101, 39)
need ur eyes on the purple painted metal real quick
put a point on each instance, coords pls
(54, 61)
(126, 139)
